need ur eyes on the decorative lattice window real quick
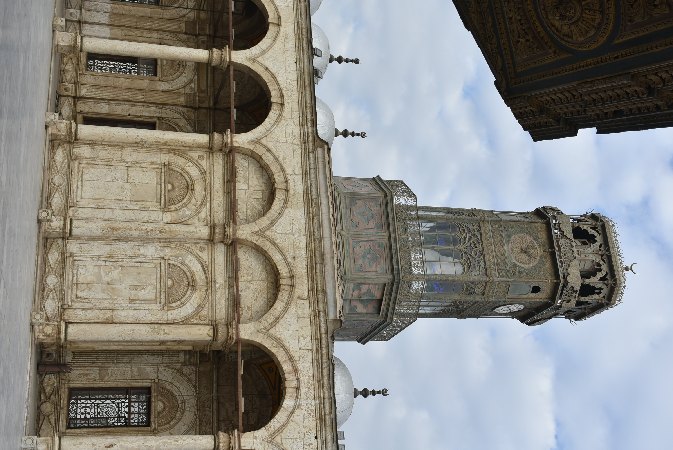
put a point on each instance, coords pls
(109, 407)
(126, 65)
(144, 2)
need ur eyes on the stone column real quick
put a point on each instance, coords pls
(114, 335)
(71, 42)
(139, 442)
(119, 135)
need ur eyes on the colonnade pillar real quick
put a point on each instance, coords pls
(220, 441)
(71, 42)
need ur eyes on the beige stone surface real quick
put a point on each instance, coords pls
(141, 225)
(138, 442)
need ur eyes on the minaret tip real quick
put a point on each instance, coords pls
(340, 59)
(345, 133)
(367, 392)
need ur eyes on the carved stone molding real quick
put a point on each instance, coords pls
(60, 130)
(67, 42)
(578, 24)
(48, 410)
(47, 318)
(54, 216)
(226, 441)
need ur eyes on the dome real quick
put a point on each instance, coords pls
(321, 44)
(315, 4)
(326, 124)
(343, 391)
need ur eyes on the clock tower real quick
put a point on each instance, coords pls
(399, 262)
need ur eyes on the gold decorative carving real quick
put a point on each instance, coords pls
(645, 16)
(578, 24)
(523, 39)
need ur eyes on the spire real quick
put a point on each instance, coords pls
(345, 133)
(367, 392)
(340, 59)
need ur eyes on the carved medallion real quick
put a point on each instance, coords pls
(177, 187)
(178, 283)
(578, 24)
(524, 250)
(167, 408)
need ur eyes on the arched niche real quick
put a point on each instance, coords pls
(250, 23)
(254, 189)
(258, 283)
(263, 389)
(252, 100)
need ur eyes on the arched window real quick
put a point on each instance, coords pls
(263, 389)
(250, 23)
(589, 268)
(441, 252)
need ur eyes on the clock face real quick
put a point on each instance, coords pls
(524, 249)
(506, 309)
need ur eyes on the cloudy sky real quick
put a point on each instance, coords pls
(426, 98)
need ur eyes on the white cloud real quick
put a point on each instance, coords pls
(434, 119)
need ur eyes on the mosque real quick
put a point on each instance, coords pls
(198, 258)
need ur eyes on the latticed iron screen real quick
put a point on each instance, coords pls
(126, 65)
(109, 407)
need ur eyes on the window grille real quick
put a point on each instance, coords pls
(144, 2)
(122, 123)
(109, 407)
(126, 65)
(317, 52)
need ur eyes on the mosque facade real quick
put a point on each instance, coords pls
(198, 258)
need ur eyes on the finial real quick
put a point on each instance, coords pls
(630, 268)
(367, 392)
(345, 133)
(340, 59)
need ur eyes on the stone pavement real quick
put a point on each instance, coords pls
(25, 52)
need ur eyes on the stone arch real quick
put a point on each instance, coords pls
(176, 395)
(258, 283)
(252, 99)
(273, 23)
(269, 162)
(284, 273)
(264, 388)
(250, 24)
(287, 364)
(272, 86)
(255, 189)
